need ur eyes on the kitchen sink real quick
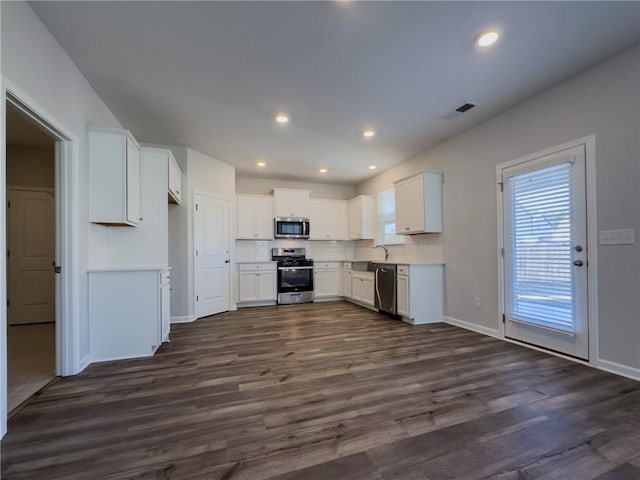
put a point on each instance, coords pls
(362, 266)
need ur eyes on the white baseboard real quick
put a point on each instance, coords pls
(333, 298)
(84, 363)
(619, 369)
(267, 303)
(472, 326)
(184, 319)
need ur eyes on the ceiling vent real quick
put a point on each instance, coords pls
(466, 107)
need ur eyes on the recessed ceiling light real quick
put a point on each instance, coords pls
(282, 118)
(372, 167)
(487, 38)
(368, 133)
(261, 163)
(323, 170)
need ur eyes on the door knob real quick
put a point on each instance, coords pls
(578, 248)
(578, 263)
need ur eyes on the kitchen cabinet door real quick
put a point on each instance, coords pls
(175, 181)
(165, 295)
(420, 293)
(402, 289)
(362, 287)
(328, 219)
(257, 283)
(346, 284)
(114, 178)
(419, 204)
(255, 217)
(326, 281)
(248, 291)
(361, 217)
(125, 313)
(289, 202)
(267, 287)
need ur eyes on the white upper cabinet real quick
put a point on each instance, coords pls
(328, 219)
(175, 181)
(419, 204)
(361, 218)
(114, 178)
(255, 217)
(291, 202)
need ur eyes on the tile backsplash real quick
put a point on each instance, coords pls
(260, 250)
(418, 249)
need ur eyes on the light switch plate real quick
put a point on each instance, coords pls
(617, 237)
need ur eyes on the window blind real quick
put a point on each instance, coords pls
(387, 218)
(386, 206)
(539, 241)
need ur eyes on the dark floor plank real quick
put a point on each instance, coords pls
(328, 390)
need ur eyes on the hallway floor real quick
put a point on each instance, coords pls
(31, 360)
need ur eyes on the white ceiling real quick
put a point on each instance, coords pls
(210, 75)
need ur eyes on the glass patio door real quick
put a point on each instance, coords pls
(545, 252)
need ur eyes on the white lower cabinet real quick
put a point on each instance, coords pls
(128, 313)
(420, 293)
(327, 279)
(346, 280)
(257, 283)
(362, 287)
(165, 299)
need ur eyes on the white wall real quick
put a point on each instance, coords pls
(30, 166)
(42, 74)
(146, 245)
(265, 186)
(178, 260)
(604, 101)
(203, 174)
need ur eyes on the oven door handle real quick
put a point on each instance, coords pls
(295, 268)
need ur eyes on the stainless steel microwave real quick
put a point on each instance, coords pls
(291, 227)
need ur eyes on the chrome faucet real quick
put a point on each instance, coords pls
(386, 251)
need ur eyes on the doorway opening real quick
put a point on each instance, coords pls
(31, 226)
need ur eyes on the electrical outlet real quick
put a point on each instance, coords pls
(476, 301)
(617, 237)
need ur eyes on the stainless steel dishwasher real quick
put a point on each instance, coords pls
(385, 287)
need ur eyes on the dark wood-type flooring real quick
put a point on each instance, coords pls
(329, 391)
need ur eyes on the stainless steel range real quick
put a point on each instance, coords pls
(295, 275)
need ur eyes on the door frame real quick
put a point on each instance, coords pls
(193, 248)
(67, 182)
(589, 143)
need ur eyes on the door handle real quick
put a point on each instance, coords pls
(578, 263)
(226, 261)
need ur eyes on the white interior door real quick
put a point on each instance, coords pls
(545, 252)
(31, 256)
(211, 255)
